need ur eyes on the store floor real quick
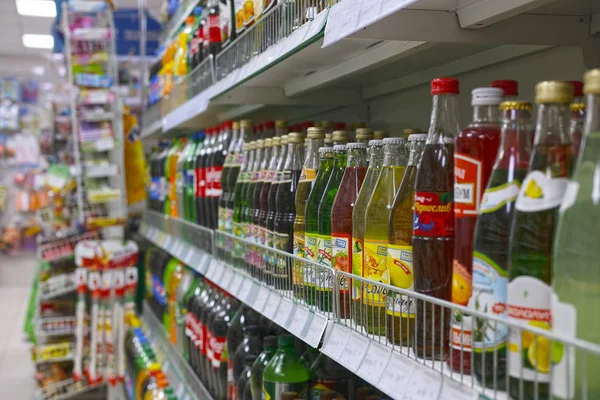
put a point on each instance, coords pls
(16, 368)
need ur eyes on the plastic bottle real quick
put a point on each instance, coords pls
(575, 278)
(182, 293)
(193, 40)
(213, 176)
(208, 307)
(433, 232)
(401, 309)
(163, 184)
(171, 276)
(189, 206)
(189, 311)
(358, 218)
(173, 286)
(212, 30)
(238, 161)
(251, 345)
(329, 376)
(180, 176)
(258, 368)
(376, 223)
(268, 178)
(532, 231)
(180, 66)
(201, 165)
(230, 134)
(285, 372)
(243, 318)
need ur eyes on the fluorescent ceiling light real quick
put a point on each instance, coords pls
(36, 41)
(37, 8)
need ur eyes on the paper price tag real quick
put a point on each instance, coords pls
(235, 285)
(261, 299)
(335, 340)
(316, 328)
(244, 291)
(396, 375)
(354, 351)
(424, 384)
(202, 263)
(299, 320)
(189, 256)
(374, 363)
(227, 278)
(284, 312)
(455, 391)
(272, 305)
(342, 20)
(213, 269)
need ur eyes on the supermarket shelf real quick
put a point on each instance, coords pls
(101, 171)
(172, 26)
(96, 117)
(181, 377)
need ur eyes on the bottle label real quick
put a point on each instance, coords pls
(540, 192)
(489, 296)
(324, 249)
(308, 175)
(467, 185)
(216, 345)
(564, 317)
(400, 269)
(281, 241)
(213, 181)
(311, 252)
(240, 159)
(529, 301)
(154, 189)
(228, 216)
(248, 233)
(375, 268)
(341, 255)
(434, 214)
(274, 390)
(497, 197)
(158, 290)
(357, 266)
(299, 243)
(200, 182)
(238, 244)
(231, 386)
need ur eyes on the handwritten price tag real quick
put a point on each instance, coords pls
(213, 267)
(261, 299)
(283, 312)
(272, 305)
(355, 351)
(455, 391)
(335, 340)
(424, 384)
(227, 278)
(299, 320)
(235, 285)
(396, 375)
(316, 328)
(245, 289)
(374, 363)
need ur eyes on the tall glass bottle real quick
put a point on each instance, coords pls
(532, 231)
(433, 230)
(189, 204)
(259, 233)
(268, 178)
(476, 148)
(228, 140)
(575, 277)
(311, 246)
(491, 242)
(401, 309)
(201, 168)
(286, 372)
(358, 223)
(180, 177)
(249, 210)
(341, 219)
(229, 176)
(272, 206)
(315, 140)
(286, 211)
(324, 284)
(376, 223)
(240, 204)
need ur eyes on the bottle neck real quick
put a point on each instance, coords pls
(312, 153)
(325, 162)
(357, 158)
(339, 159)
(416, 149)
(392, 155)
(282, 157)
(250, 158)
(444, 125)
(515, 135)
(552, 127)
(592, 116)
(266, 157)
(274, 157)
(294, 157)
(233, 144)
(486, 115)
(376, 157)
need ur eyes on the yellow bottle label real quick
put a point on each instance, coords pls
(325, 281)
(357, 266)
(400, 270)
(311, 252)
(375, 268)
(308, 174)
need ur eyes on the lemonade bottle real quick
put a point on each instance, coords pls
(358, 223)
(180, 66)
(401, 310)
(324, 284)
(376, 233)
(534, 222)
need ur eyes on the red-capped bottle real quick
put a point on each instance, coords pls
(433, 230)
(509, 87)
(476, 150)
(577, 117)
(212, 30)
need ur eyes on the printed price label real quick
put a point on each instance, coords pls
(299, 320)
(284, 311)
(245, 290)
(335, 340)
(272, 305)
(316, 328)
(168, 243)
(455, 391)
(397, 374)
(202, 264)
(424, 384)
(354, 351)
(261, 299)
(213, 268)
(237, 282)
(374, 363)
(227, 278)
(189, 256)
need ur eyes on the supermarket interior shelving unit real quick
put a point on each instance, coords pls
(366, 60)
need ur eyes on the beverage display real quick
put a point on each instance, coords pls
(433, 230)
(324, 282)
(401, 310)
(574, 276)
(285, 372)
(358, 226)
(475, 151)
(258, 368)
(272, 205)
(341, 218)
(376, 221)
(308, 178)
(311, 245)
(533, 226)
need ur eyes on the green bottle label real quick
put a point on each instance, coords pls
(274, 390)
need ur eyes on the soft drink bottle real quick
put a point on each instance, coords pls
(229, 176)
(259, 234)
(200, 186)
(190, 185)
(251, 232)
(272, 207)
(214, 178)
(577, 117)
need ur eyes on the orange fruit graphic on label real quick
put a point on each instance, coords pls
(461, 284)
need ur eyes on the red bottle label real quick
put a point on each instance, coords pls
(214, 177)
(214, 29)
(202, 332)
(467, 185)
(434, 214)
(200, 182)
(217, 344)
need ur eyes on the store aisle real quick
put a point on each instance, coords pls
(16, 368)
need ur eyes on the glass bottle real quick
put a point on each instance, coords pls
(376, 223)
(228, 139)
(231, 169)
(475, 152)
(364, 135)
(285, 372)
(575, 277)
(324, 283)
(491, 242)
(240, 204)
(532, 230)
(433, 230)
(190, 189)
(258, 368)
(358, 223)
(259, 234)
(341, 218)
(273, 205)
(311, 246)
(249, 210)
(577, 118)
(268, 178)
(401, 310)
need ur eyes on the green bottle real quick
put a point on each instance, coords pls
(325, 285)
(240, 203)
(285, 372)
(249, 228)
(189, 200)
(258, 369)
(311, 246)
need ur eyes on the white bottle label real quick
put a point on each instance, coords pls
(540, 192)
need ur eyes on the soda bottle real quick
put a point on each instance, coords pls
(216, 170)
(198, 35)
(311, 245)
(401, 309)
(251, 231)
(188, 280)
(364, 135)
(268, 178)
(324, 282)
(251, 345)
(286, 372)
(163, 185)
(491, 242)
(272, 203)
(209, 305)
(259, 232)
(192, 320)
(244, 390)
(171, 177)
(217, 343)
(155, 177)
(192, 45)
(577, 117)
(341, 218)
(574, 274)
(376, 223)
(258, 368)
(358, 218)
(189, 208)
(286, 210)
(237, 162)
(180, 176)
(476, 148)
(433, 229)
(229, 139)
(240, 204)
(243, 318)
(212, 30)
(329, 376)
(509, 87)
(532, 231)
(172, 285)
(201, 165)
(308, 177)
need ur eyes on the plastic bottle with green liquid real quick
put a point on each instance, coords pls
(376, 233)
(358, 223)
(311, 249)
(285, 372)
(325, 280)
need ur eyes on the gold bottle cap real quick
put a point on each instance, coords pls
(408, 131)
(380, 135)
(246, 123)
(235, 125)
(280, 124)
(591, 81)
(315, 133)
(275, 141)
(284, 139)
(259, 144)
(268, 143)
(328, 139)
(577, 107)
(251, 145)
(364, 133)
(340, 136)
(553, 92)
(516, 105)
(296, 138)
